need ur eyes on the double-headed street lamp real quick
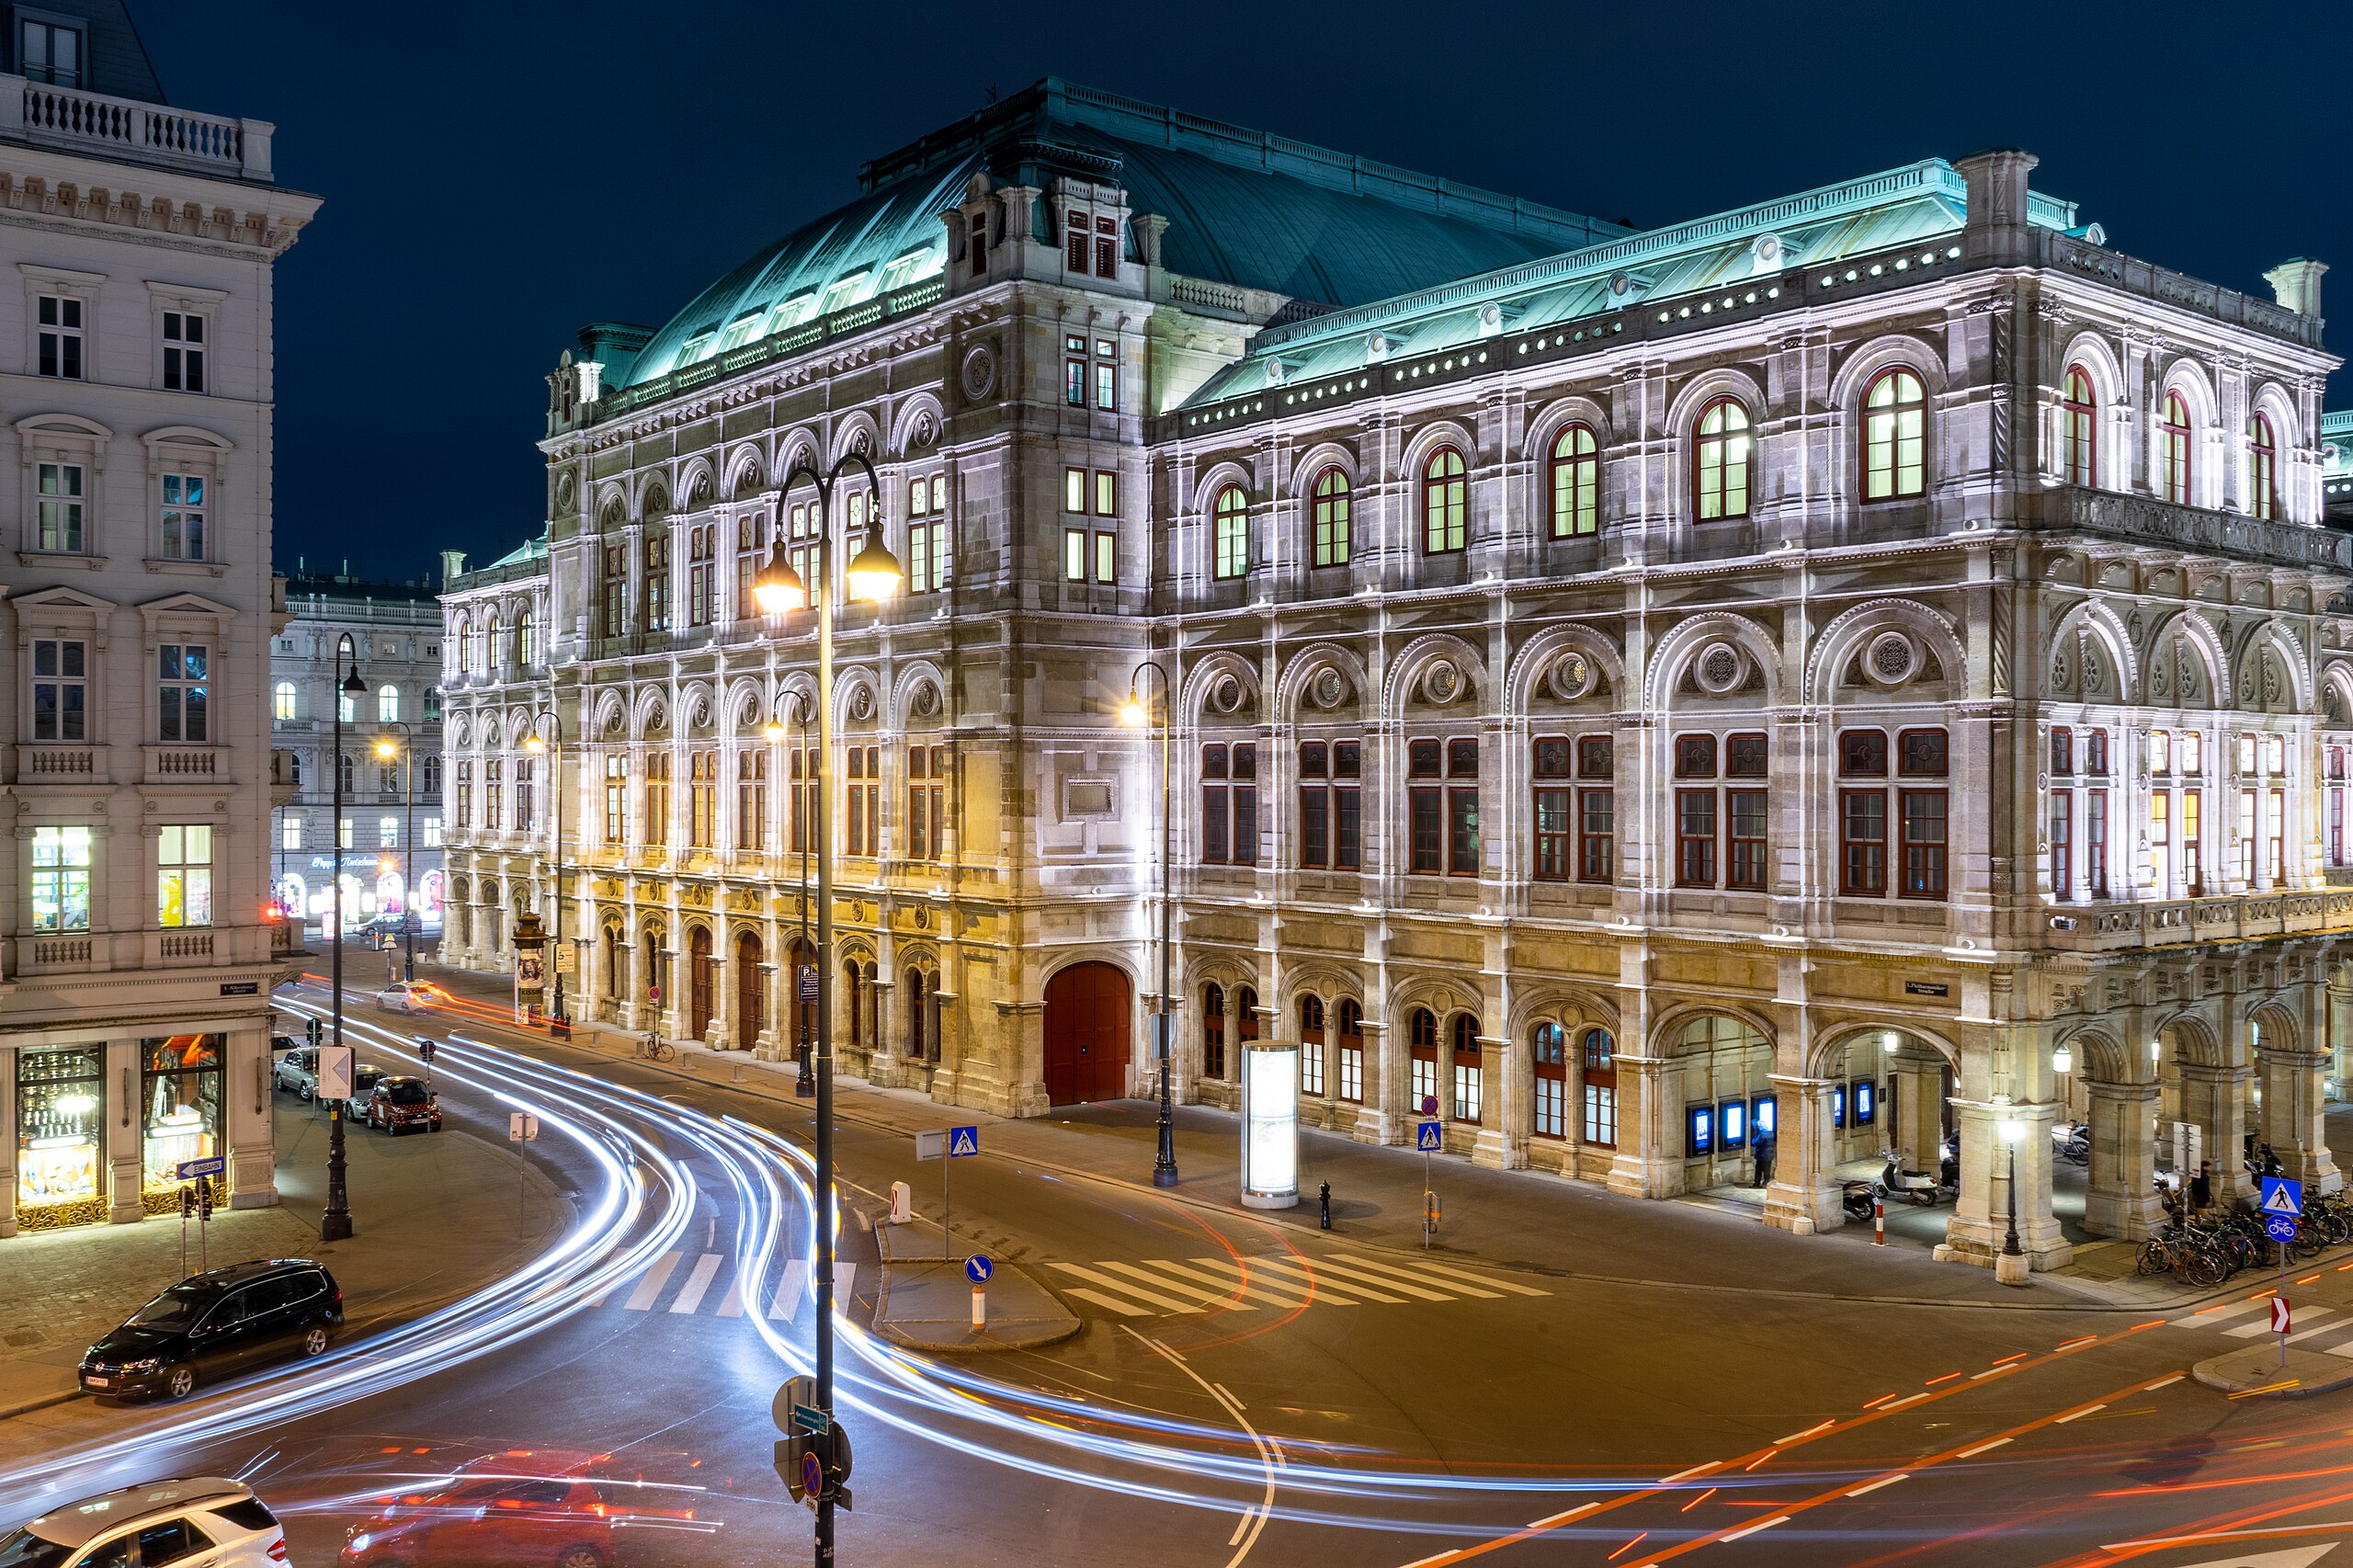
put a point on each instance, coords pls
(405, 751)
(560, 1021)
(873, 574)
(804, 1086)
(1163, 1162)
(335, 1220)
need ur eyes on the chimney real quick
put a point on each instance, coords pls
(453, 564)
(1996, 228)
(2296, 285)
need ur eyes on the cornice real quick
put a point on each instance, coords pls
(141, 201)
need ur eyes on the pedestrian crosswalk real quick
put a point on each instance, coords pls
(1286, 1282)
(786, 1303)
(2251, 1320)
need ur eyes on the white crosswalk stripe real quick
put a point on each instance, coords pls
(694, 1295)
(1287, 1282)
(2307, 1323)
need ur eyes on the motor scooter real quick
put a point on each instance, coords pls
(1921, 1188)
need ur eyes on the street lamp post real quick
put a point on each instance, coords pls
(406, 752)
(1164, 1160)
(335, 1220)
(804, 1086)
(559, 1021)
(2010, 1268)
(873, 574)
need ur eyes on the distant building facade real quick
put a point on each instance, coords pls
(391, 803)
(139, 958)
(1868, 665)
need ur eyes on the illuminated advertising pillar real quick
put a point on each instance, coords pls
(1269, 1126)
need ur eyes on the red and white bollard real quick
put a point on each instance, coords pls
(1879, 1221)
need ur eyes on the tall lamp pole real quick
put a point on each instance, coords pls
(804, 1086)
(335, 1220)
(873, 574)
(1163, 1161)
(560, 1021)
(406, 752)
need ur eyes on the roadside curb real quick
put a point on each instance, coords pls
(2255, 1373)
(1040, 1318)
(24, 1407)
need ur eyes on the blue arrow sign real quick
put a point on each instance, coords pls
(977, 1268)
(2281, 1195)
(2279, 1227)
(963, 1140)
(191, 1169)
(1427, 1139)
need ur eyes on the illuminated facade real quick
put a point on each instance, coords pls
(1863, 661)
(139, 963)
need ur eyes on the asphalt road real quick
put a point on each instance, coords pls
(1336, 1403)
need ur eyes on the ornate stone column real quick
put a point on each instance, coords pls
(2293, 1106)
(2215, 1098)
(1649, 1162)
(2120, 1198)
(1804, 1196)
(1981, 1217)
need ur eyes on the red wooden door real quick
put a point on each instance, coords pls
(1086, 1034)
(750, 992)
(699, 981)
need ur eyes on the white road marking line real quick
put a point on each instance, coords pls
(1243, 1541)
(1351, 1276)
(651, 1285)
(1255, 1270)
(2271, 1531)
(2254, 1330)
(787, 1301)
(1111, 1282)
(1283, 1265)
(697, 1283)
(2343, 1349)
(2078, 1414)
(1387, 1270)
(2213, 1315)
(1973, 1453)
(1253, 1291)
(1451, 1271)
(731, 1304)
(845, 1283)
(1817, 1427)
(1563, 1518)
(2324, 1328)
(1125, 1309)
(1995, 1371)
(1183, 1287)
(1752, 1529)
(1688, 1474)
(1908, 1399)
(2163, 1383)
(1882, 1481)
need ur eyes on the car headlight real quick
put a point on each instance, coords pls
(362, 1541)
(149, 1365)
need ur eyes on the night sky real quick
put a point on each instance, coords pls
(497, 174)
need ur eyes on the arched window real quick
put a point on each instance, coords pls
(527, 641)
(351, 771)
(1445, 502)
(282, 704)
(2263, 468)
(1597, 1066)
(1720, 460)
(1349, 1027)
(1311, 1044)
(1421, 1040)
(1894, 438)
(388, 704)
(1331, 517)
(853, 990)
(1212, 1032)
(1549, 1049)
(2079, 429)
(493, 646)
(613, 963)
(2173, 431)
(1469, 1080)
(1576, 483)
(918, 1047)
(1233, 519)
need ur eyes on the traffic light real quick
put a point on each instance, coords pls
(317, 1031)
(425, 1051)
(203, 1199)
(187, 1202)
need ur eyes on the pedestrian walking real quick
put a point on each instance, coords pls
(1763, 1149)
(2201, 1187)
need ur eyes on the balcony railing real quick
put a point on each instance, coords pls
(2125, 924)
(77, 122)
(176, 765)
(67, 763)
(2144, 519)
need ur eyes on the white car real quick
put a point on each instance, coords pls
(206, 1519)
(406, 996)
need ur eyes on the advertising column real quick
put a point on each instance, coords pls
(1269, 1126)
(530, 968)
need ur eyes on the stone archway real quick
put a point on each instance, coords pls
(2100, 1082)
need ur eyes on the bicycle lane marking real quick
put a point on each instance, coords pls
(1875, 1411)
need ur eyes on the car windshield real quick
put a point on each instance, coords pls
(175, 1309)
(365, 1076)
(407, 1092)
(26, 1549)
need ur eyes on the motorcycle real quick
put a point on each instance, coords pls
(1856, 1199)
(2073, 1144)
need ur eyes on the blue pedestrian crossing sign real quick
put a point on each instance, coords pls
(977, 1268)
(963, 1140)
(1426, 1140)
(2282, 1197)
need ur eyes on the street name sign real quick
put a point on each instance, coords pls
(1427, 1138)
(190, 1170)
(809, 1418)
(977, 1268)
(2281, 1195)
(963, 1140)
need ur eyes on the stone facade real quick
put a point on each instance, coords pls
(139, 595)
(1842, 661)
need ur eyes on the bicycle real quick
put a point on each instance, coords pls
(654, 1047)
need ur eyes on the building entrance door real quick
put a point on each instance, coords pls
(1086, 1034)
(751, 991)
(699, 981)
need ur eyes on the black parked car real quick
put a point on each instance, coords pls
(210, 1325)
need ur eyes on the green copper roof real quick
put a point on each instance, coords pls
(1243, 208)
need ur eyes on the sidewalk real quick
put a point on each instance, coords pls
(434, 1220)
(1515, 1219)
(926, 1301)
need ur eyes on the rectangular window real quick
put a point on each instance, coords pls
(1745, 810)
(526, 797)
(1924, 841)
(1217, 811)
(1862, 843)
(1347, 805)
(345, 839)
(1246, 804)
(2279, 827)
(657, 581)
(615, 797)
(2245, 867)
(1106, 557)
(289, 833)
(61, 689)
(927, 802)
(1695, 756)
(1468, 1083)
(2063, 845)
(184, 875)
(703, 551)
(58, 507)
(702, 799)
(465, 794)
(1695, 838)
(184, 509)
(1107, 388)
(51, 52)
(1315, 805)
(61, 879)
(1351, 1086)
(657, 799)
(183, 351)
(60, 337)
(1549, 765)
(1073, 490)
(1596, 836)
(493, 798)
(1746, 756)
(2192, 746)
(428, 833)
(1073, 354)
(612, 596)
(1426, 807)
(2161, 843)
(2096, 754)
(1601, 1114)
(2063, 753)
(2193, 860)
(752, 800)
(1107, 493)
(182, 694)
(2160, 753)
(1073, 555)
(1462, 808)
(2096, 841)
(388, 832)
(1107, 247)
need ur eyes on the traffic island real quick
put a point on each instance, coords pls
(2256, 1372)
(927, 1299)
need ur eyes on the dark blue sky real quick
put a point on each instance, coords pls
(499, 173)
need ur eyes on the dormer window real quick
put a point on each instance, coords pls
(794, 312)
(843, 292)
(1091, 237)
(979, 249)
(52, 53)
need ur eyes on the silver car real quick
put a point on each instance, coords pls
(207, 1520)
(404, 996)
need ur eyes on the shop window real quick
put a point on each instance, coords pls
(182, 1087)
(61, 1128)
